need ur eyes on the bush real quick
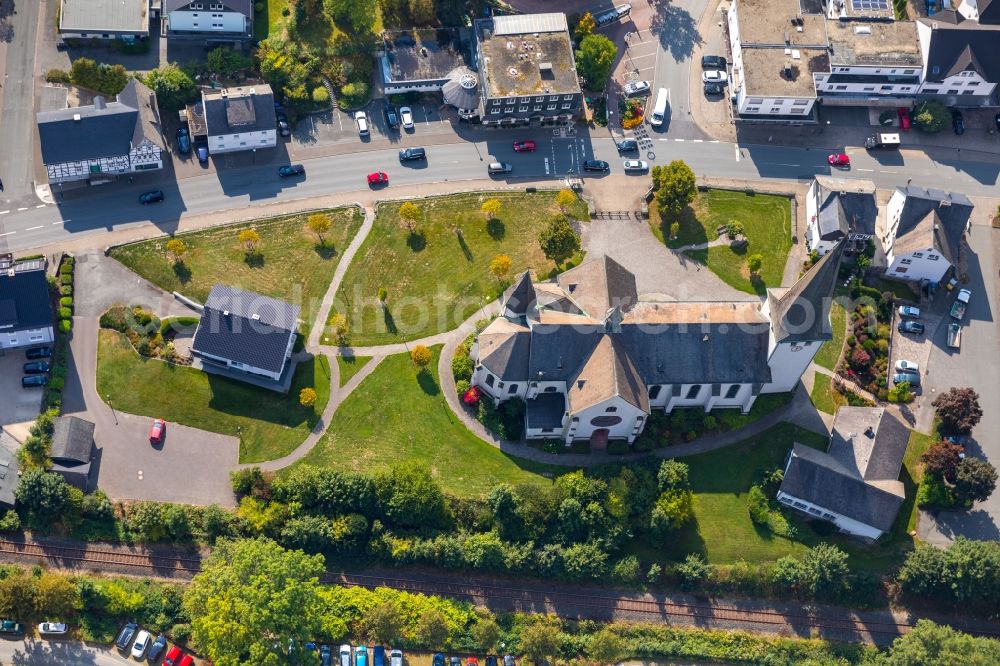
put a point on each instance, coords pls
(321, 96)
(57, 76)
(930, 116)
(461, 367)
(617, 447)
(65, 313)
(758, 506)
(65, 325)
(354, 94)
(66, 278)
(693, 571)
(66, 301)
(10, 522)
(462, 387)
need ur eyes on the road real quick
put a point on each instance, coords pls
(56, 653)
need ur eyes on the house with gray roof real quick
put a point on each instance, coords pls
(961, 67)
(855, 483)
(100, 142)
(240, 119)
(248, 335)
(127, 20)
(839, 208)
(72, 450)
(25, 307)
(8, 470)
(209, 20)
(923, 233)
(592, 359)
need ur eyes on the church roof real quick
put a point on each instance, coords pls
(802, 312)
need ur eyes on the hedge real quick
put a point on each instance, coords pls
(65, 325)
(66, 301)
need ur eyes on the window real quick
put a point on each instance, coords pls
(522, 109)
(36, 338)
(798, 110)
(509, 109)
(732, 392)
(611, 409)
(489, 379)
(933, 257)
(798, 505)
(775, 110)
(829, 516)
(539, 99)
(554, 98)
(757, 100)
(814, 511)
(901, 269)
(512, 389)
(931, 91)
(500, 385)
(495, 110)
(906, 261)
(909, 71)
(567, 106)
(693, 392)
(567, 97)
(968, 92)
(605, 421)
(654, 392)
(551, 107)
(576, 419)
(800, 102)
(550, 389)
(538, 107)
(918, 255)
(952, 92)
(841, 88)
(547, 429)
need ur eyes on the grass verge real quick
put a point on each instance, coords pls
(829, 353)
(823, 395)
(350, 366)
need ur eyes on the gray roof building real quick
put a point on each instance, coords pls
(845, 206)
(244, 7)
(802, 311)
(72, 450)
(24, 296)
(932, 218)
(8, 470)
(959, 46)
(104, 17)
(239, 110)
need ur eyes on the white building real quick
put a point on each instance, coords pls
(25, 310)
(100, 142)
(127, 20)
(839, 208)
(239, 119)
(855, 483)
(961, 67)
(923, 232)
(592, 361)
(214, 20)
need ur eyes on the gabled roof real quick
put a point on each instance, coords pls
(558, 350)
(989, 12)
(246, 327)
(519, 296)
(868, 441)
(239, 110)
(607, 373)
(503, 348)
(24, 300)
(597, 286)
(8, 469)
(845, 206)
(545, 411)
(802, 312)
(72, 441)
(244, 7)
(961, 46)
(97, 16)
(931, 218)
(138, 96)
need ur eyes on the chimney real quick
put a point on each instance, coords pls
(76, 117)
(99, 103)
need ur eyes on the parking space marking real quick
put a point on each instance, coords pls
(25, 208)
(860, 169)
(40, 226)
(4, 212)
(40, 206)
(60, 222)
(9, 233)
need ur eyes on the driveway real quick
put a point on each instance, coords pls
(19, 405)
(17, 59)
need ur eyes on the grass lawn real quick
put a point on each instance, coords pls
(829, 353)
(399, 416)
(824, 397)
(912, 473)
(437, 279)
(294, 266)
(269, 424)
(767, 222)
(350, 366)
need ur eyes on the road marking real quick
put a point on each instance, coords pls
(714, 141)
(739, 153)
(25, 208)
(40, 226)
(547, 166)
(696, 140)
(61, 221)
(680, 140)
(780, 164)
(40, 206)
(4, 212)
(866, 169)
(7, 234)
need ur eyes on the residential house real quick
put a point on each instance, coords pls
(9, 472)
(25, 307)
(855, 483)
(839, 208)
(240, 119)
(245, 333)
(432, 60)
(212, 20)
(127, 20)
(961, 67)
(100, 142)
(923, 232)
(986, 12)
(592, 360)
(527, 70)
(72, 450)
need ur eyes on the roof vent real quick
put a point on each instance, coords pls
(870, 433)
(255, 316)
(545, 70)
(788, 39)
(705, 338)
(253, 91)
(423, 51)
(225, 313)
(76, 117)
(862, 30)
(796, 54)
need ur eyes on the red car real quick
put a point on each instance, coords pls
(156, 432)
(904, 119)
(173, 657)
(524, 146)
(839, 160)
(186, 660)
(378, 178)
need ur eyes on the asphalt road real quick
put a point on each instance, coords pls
(17, 127)
(56, 653)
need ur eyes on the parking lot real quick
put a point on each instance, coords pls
(338, 126)
(916, 348)
(19, 404)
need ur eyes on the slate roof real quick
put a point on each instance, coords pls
(238, 336)
(989, 12)
(503, 348)
(24, 300)
(962, 46)
(925, 223)
(99, 16)
(244, 7)
(608, 372)
(100, 132)
(868, 441)
(72, 440)
(520, 296)
(8, 470)
(238, 110)
(597, 286)
(558, 351)
(545, 411)
(802, 312)
(845, 206)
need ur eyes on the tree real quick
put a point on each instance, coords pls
(734, 228)
(307, 397)
(584, 27)
(826, 571)
(360, 14)
(594, 59)
(176, 248)
(486, 633)
(692, 571)
(18, 597)
(253, 602)
(958, 409)
(44, 494)
(250, 240)
(672, 510)
(384, 623)
(975, 480)
(673, 475)
(605, 647)
(173, 87)
(409, 497)
(409, 212)
(676, 187)
(500, 266)
(559, 241)
(55, 596)
(540, 641)
(432, 629)
(755, 262)
(227, 61)
(758, 506)
(675, 228)
(422, 11)
(930, 116)
(383, 296)
(565, 199)
(941, 459)
(491, 208)
(929, 644)
(101, 77)
(319, 224)
(339, 329)
(421, 356)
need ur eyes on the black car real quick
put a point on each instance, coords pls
(38, 352)
(36, 367)
(410, 154)
(712, 88)
(11, 627)
(34, 380)
(156, 649)
(325, 655)
(713, 62)
(125, 636)
(291, 170)
(627, 145)
(911, 327)
(958, 122)
(491, 660)
(183, 141)
(595, 165)
(391, 116)
(996, 121)
(151, 197)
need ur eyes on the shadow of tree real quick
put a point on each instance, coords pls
(427, 383)
(182, 272)
(254, 260)
(675, 28)
(325, 250)
(496, 229)
(465, 247)
(416, 241)
(390, 321)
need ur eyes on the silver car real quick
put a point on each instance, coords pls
(362, 120)
(636, 88)
(635, 165)
(907, 366)
(406, 117)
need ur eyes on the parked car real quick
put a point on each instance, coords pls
(596, 165)
(524, 146)
(153, 196)
(437, 659)
(909, 311)
(714, 76)
(325, 655)
(34, 380)
(202, 151)
(362, 120)
(395, 658)
(901, 377)
(157, 430)
(391, 117)
(454, 661)
(627, 145)
(125, 636)
(291, 170)
(378, 656)
(36, 367)
(635, 165)
(713, 62)
(499, 167)
(283, 128)
(957, 122)
(410, 154)
(903, 365)
(471, 661)
(839, 160)
(361, 656)
(714, 89)
(996, 121)
(174, 655)
(52, 628)
(141, 644)
(345, 655)
(911, 327)
(183, 140)
(378, 178)
(156, 649)
(508, 660)
(406, 116)
(904, 118)
(38, 352)
(11, 628)
(186, 660)
(636, 88)
(491, 660)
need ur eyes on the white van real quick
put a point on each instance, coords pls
(660, 108)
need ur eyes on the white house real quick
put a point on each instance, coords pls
(25, 310)
(961, 67)
(214, 20)
(839, 208)
(246, 332)
(239, 119)
(923, 232)
(127, 20)
(986, 12)
(100, 142)
(591, 360)
(855, 483)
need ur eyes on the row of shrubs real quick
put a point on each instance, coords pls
(149, 335)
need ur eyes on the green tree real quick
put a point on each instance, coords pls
(173, 87)
(675, 228)
(409, 213)
(676, 187)
(55, 596)
(826, 571)
(491, 208)
(319, 224)
(605, 647)
(755, 262)
(18, 597)
(594, 59)
(100, 77)
(422, 11)
(958, 409)
(692, 571)
(175, 520)
(584, 27)
(227, 61)
(929, 644)
(486, 633)
(930, 116)
(383, 296)
(432, 629)
(540, 641)
(559, 241)
(758, 506)
(734, 228)
(384, 623)
(338, 327)
(673, 475)
(253, 601)
(672, 510)
(45, 495)
(975, 480)
(356, 14)
(146, 520)
(409, 497)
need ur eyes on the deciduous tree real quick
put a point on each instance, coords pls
(930, 116)
(409, 212)
(755, 262)
(44, 494)
(173, 87)
(585, 26)
(605, 647)
(958, 409)
(676, 187)
(486, 632)
(319, 224)
(307, 397)
(491, 208)
(250, 240)
(384, 623)
(432, 629)
(421, 356)
(941, 459)
(975, 480)
(594, 59)
(565, 199)
(929, 644)
(500, 266)
(540, 641)
(337, 326)
(559, 241)
(176, 249)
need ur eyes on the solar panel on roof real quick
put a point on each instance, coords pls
(870, 5)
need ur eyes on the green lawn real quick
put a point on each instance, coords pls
(824, 397)
(436, 279)
(829, 353)
(269, 424)
(294, 265)
(270, 20)
(767, 222)
(399, 416)
(350, 366)
(912, 473)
